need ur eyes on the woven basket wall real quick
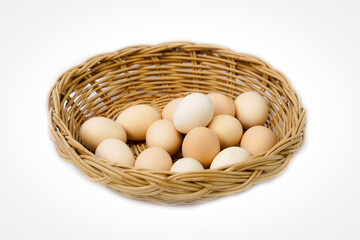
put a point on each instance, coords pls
(106, 84)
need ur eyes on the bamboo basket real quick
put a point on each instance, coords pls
(106, 84)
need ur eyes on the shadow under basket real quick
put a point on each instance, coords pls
(108, 83)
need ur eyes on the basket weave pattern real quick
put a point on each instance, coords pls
(106, 84)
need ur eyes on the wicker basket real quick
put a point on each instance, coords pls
(106, 84)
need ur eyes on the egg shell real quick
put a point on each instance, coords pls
(195, 110)
(162, 133)
(95, 130)
(137, 119)
(186, 165)
(154, 158)
(115, 150)
(222, 104)
(228, 129)
(258, 139)
(251, 109)
(202, 144)
(228, 156)
(169, 109)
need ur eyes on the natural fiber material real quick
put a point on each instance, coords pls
(106, 84)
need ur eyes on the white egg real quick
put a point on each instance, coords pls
(115, 150)
(186, 165)
(195, 110)
(228, 156)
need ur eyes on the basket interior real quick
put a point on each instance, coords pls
(107, 87)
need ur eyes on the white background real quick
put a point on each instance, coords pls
(315, 43)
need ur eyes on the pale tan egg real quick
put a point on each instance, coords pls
(162, 133)
(251, 109)
(137, 119)
(222, 104)
(186, 165)
(115, 150)
(97, 129)
(169, 109)
(202, 144)
(228, 156)
(228, 129)
(195, 110)
(154, 158)
(258, 139)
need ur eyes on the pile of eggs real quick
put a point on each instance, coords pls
(207, 129)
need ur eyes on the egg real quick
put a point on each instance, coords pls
(137, 119)
(169, 109)
(186, 165)
(222, 104)
(154, 158)
(228, 156)
(195, 110)
(228, 129)
(202, 144)
(258, 139)
(115, 150)
(97, 129)
(162, 133)
(251, 109)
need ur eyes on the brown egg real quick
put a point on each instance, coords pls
(202, 144)
(251, 109)
(228, 129)
(169, 109)
(137, 119)
(222, 104)
(95, 130)
(163, 133)
(154, 158)
(258, 139)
